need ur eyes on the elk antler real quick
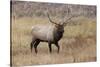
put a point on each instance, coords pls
(65, 22)
(50, 19)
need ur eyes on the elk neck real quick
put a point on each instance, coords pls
(58, 32)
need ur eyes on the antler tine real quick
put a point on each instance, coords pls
(50, 19)
(64, 23)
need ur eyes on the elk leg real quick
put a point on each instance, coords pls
(50, 49)
(57, 47)
(31, 45)
(35, 45)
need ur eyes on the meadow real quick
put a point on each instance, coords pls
(77, 45)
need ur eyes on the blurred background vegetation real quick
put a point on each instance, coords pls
(39, 9)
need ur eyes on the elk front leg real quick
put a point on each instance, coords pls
(50, 48)
(57, 46)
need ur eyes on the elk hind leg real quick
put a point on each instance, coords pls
(35, 45)
(32, 43)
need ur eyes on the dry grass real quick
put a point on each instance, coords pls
(77, 45)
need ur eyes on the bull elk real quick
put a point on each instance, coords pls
(51, 33)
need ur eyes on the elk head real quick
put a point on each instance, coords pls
(60, 26)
